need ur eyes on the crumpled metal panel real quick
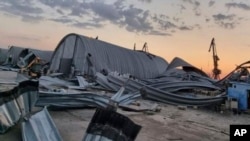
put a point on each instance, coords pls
(84, 99)
(71, 100)
(28, 96)
(178, 62)
(9, 115)
(103, 81)
(109, 125)
(40, 127)
(182, 85)
(13, 53)
(50, 82)
(165, 96)
(16, 103)
(27, 55)
(16, 52)
(43, 54)
(106, 56)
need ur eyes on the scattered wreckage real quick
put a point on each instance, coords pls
(18, 97)
(97, 74)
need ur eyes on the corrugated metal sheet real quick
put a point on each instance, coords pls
(107, 125)
(40, 127)
(83, 99)
(155, 93)
(13, 55)
(16, 102)
(3, 55)
(178, 62)
(106, 56)
(15, 52)
(43, 54)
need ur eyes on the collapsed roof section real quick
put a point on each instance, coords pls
(45, 55)
(178, 62)
(15, 53)
(88, 55)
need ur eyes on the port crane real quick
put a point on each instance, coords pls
(216, 71)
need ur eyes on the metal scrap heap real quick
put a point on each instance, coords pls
(84, 72)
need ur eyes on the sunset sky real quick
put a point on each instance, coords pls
(182, 28)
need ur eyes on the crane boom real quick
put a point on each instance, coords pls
(216, 71)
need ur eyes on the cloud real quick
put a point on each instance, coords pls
(225, 21)
(24, 37)
(219, 17)
(192, 2)
(195, 4)
(146, 1)
(31, 18)
(182, 8)
(106, 11)
(96, 14)
(163, 22)
(154, 32)
(63, 20)
(60, 11)
(22, 8)
(211, 3)
(185, 28)
(66, 4)
(129, 17)
(238, 5)
(207, 20)
(87, 25)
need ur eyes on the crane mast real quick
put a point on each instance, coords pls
(216, 71)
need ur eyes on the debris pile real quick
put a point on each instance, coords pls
(18, 98)
(177, 93)
(101, 75)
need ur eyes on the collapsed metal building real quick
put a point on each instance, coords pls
(3, 55)
(13, 55)
(16, 54)
(79, 54)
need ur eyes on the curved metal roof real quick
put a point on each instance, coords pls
(3, 55)
(105, 56)
(15, 52)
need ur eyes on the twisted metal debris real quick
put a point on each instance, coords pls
(170, 92)
(16, 102)
(109, 125)
(40, 127)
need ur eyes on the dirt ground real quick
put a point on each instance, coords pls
(170, 124)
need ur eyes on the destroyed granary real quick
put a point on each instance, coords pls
(16, 56)
(86, 72)
(86, 55)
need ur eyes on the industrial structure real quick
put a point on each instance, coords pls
(216, 71)
(79, 54)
